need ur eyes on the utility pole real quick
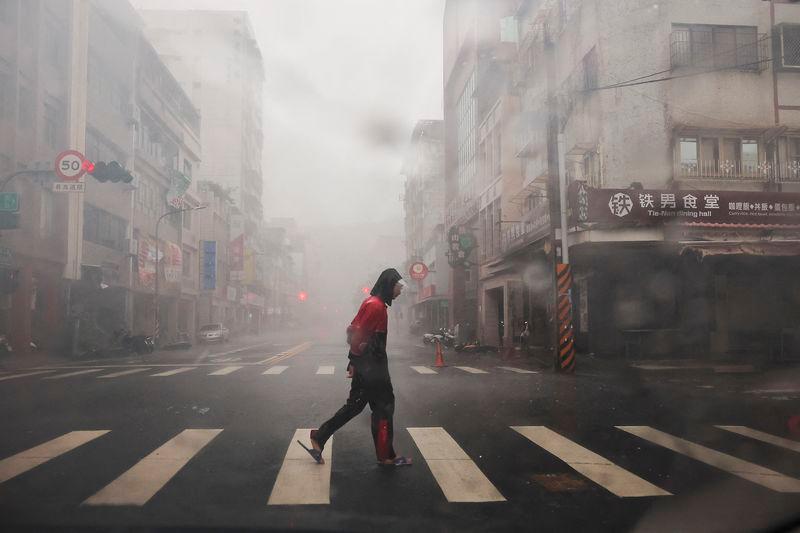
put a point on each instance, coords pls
(76, 129)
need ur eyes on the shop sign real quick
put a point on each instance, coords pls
(209, 265)
(461, 241)
(231, 294)
(624, 206)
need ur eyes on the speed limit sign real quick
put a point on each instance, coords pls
(69, 165)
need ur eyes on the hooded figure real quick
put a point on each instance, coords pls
(369, 369)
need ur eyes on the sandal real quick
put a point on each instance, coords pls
(316, 454)
(398, 461)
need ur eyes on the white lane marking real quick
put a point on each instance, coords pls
(267, 360)
(773, 391)
(123, 373)
(738, 467)
(15, 376)
(33, 457)
(763, 437)
(275, 370)
(225, 371)
(611, 477)
(457, 475)
(471, 370)
(301, 481)
(173, 372)
(70, 374)
(517, 370)
(144, 479)
(224, 360)
(424, 370)
(326, 370)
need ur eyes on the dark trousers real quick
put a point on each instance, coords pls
(371, 385)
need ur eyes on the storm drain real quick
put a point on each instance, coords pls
(560, 482)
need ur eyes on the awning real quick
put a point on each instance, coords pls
(766, 249)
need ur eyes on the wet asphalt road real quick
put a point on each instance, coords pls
(228, 482)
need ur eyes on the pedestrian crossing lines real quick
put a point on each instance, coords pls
(733, 465)
(242, 368)
(595, 467)
(173, 372)
(301, 481)
(28, 459)
(225, 371)
(144, 479)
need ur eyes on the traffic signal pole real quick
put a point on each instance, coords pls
(76, 128)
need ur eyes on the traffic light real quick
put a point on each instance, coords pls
(365, 290)
(302, 296)
(111, 171)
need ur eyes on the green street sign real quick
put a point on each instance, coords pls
(9, 202)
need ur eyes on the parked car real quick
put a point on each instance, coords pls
(214, 332)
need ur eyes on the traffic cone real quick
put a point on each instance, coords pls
(439, 356)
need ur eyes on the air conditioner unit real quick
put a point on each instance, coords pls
(787, 47)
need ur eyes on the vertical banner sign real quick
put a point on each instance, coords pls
(237, 248)
(209, 265)
(566, 332)
(173, 267)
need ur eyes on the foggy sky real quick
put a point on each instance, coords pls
(345, 82)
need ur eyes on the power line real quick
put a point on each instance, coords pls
(632, 81)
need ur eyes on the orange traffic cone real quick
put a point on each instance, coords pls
(439, 356)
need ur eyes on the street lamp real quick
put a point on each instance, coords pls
(155, 296)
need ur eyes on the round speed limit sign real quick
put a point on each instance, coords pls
(69, 165)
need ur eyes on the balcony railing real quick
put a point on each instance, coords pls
(719, 48)
(734, 170)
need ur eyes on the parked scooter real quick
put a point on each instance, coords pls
(444, 336)
(140, 344)
(5, 346)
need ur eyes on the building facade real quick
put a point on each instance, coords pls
(424, 206)
(217, 61)
(678, 124)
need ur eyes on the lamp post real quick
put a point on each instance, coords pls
(155, 295)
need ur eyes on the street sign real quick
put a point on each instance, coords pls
(418, 270)
(69, 186)
(9, 201)
(69, 165)
(9, 220)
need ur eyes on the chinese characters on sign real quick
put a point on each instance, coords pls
(650, 206)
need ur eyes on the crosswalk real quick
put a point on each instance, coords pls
(269, 368)
(461, 476)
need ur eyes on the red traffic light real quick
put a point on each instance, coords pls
(365, 290)
(88, 166)
(302, 296)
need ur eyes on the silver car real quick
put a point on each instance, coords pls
(214, 333)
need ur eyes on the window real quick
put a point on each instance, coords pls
(5, 95)
(187, 263)
(705, 46)
(688, 153)
(794, 149)
(25, 116)
(498, 153)
(187, 220)
(787, 46)
(52, 125)
(590, 69)
(104, 228)
(749, 155)
(46, 214)
(187, 168)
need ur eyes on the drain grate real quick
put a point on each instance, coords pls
(560, 482)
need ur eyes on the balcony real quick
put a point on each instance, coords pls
(533, 223)
(735, 170)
